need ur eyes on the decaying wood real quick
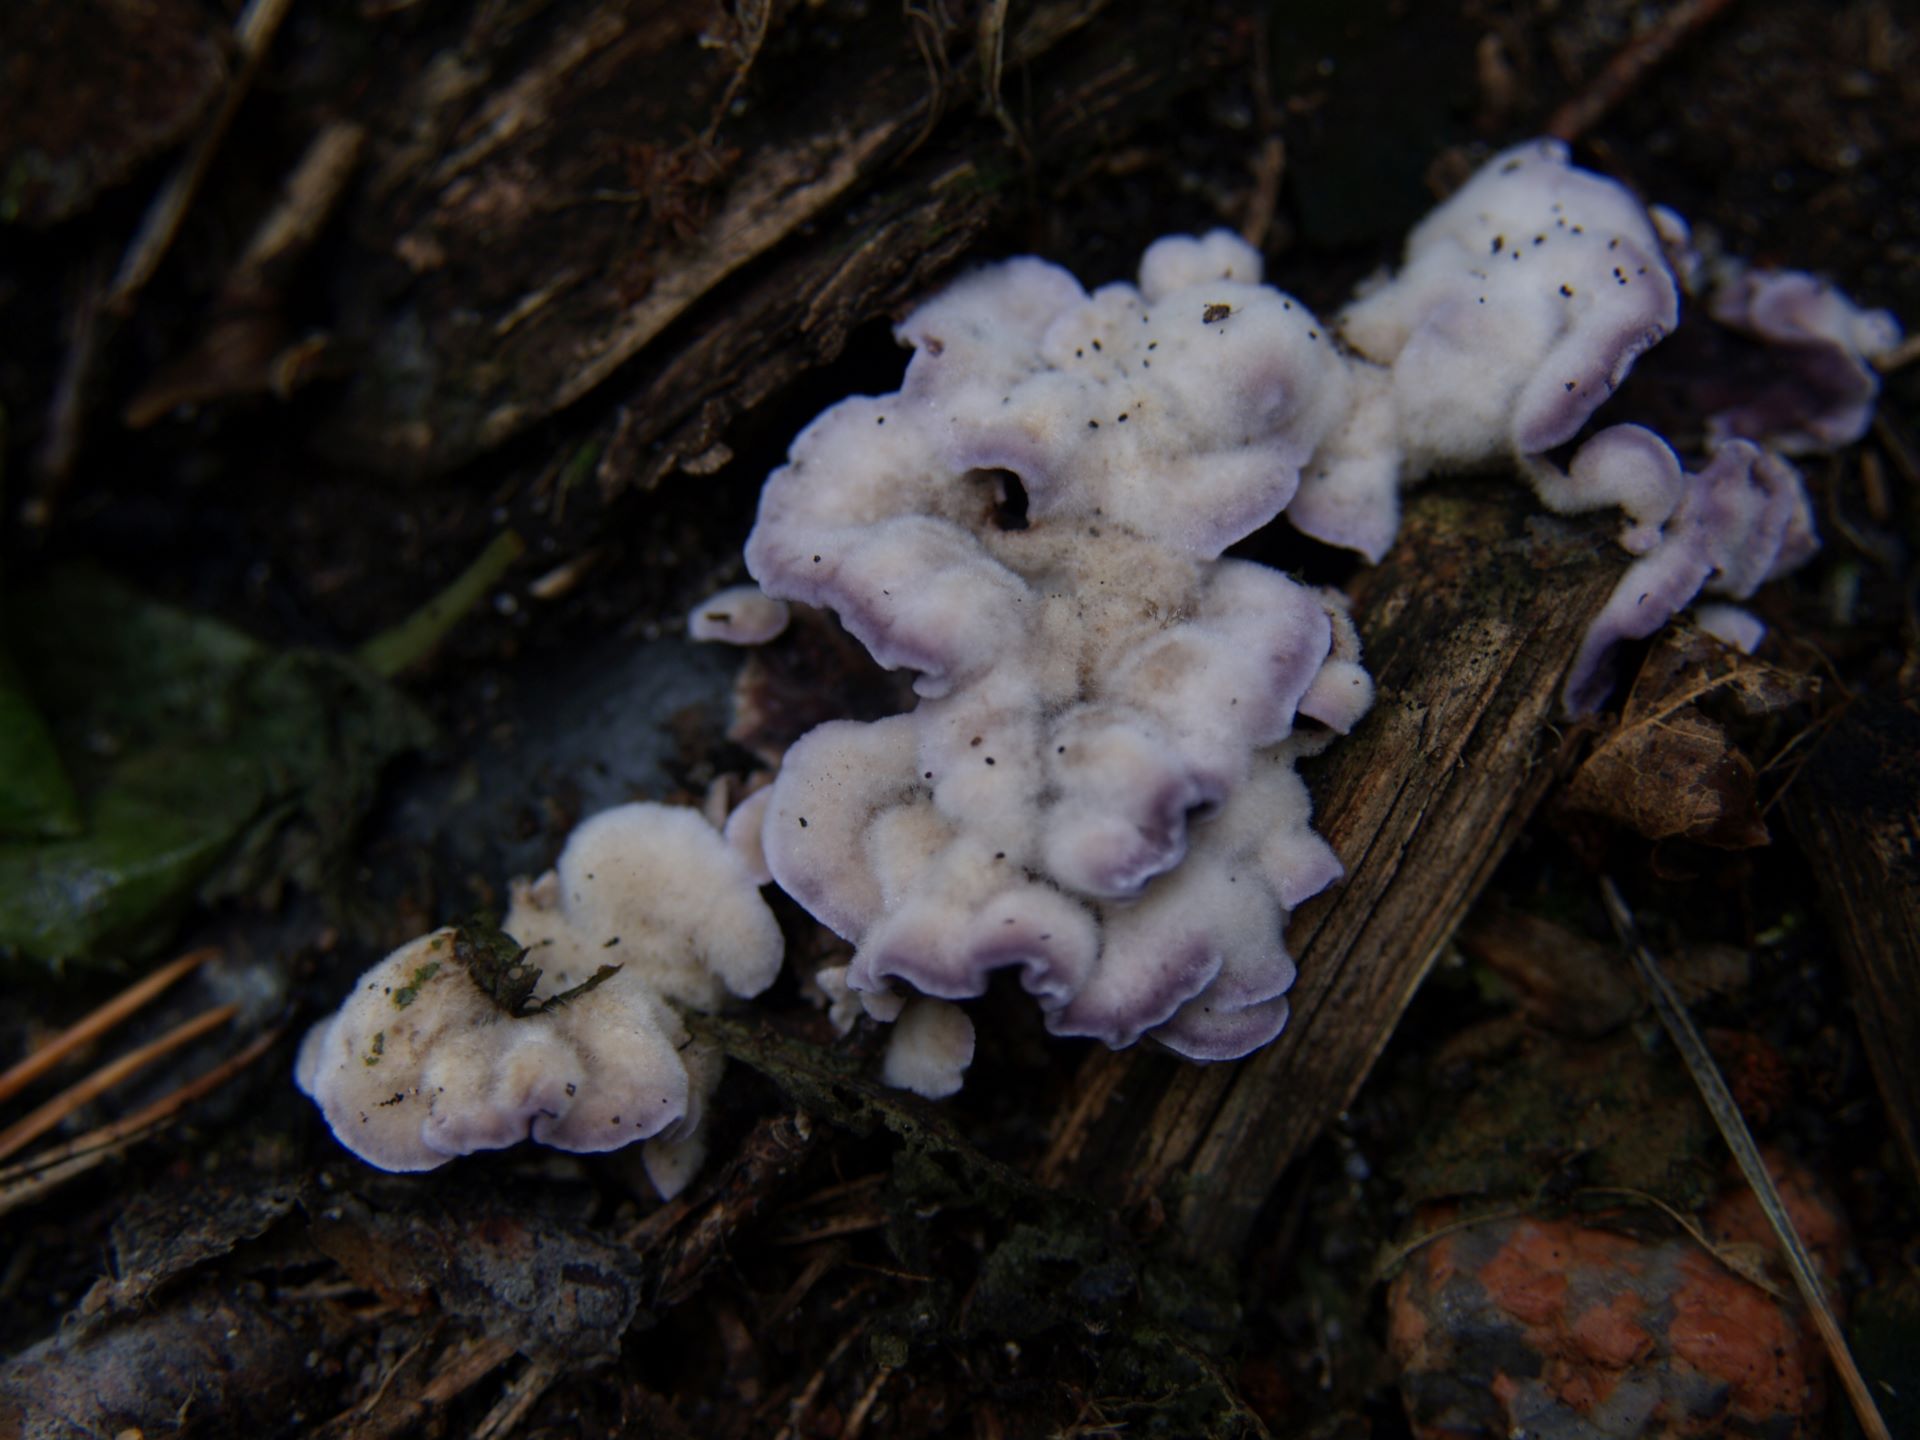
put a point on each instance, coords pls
(1469, 626)
(605, 216)
(1855, 809)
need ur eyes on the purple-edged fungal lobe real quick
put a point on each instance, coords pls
(421, 1064)
(1519, 305)
(1812, 384)
(1097, 788)
(1741, 520)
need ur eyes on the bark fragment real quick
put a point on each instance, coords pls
(1469, 626)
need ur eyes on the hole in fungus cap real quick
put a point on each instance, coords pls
(1009, 497)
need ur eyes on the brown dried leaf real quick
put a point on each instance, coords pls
(1668, 769)
(1673, 775)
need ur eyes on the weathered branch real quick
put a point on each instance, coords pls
(1469, 626)
(717, 260)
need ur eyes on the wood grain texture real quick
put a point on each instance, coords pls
(607, 219)
(1469, 626)
(1855, 810)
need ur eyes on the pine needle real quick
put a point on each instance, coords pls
(98, 1022)
(1733, 1129)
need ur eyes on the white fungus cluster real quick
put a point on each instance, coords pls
(1518, 307)
(1097, 787)
(434, 1055)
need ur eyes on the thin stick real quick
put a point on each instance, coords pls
(993, 59)
(24, 1131)
(366, 1407)
(521, 1395)
(465, 1370)
(800, 1407)
(96, 1024)
(1396, 1256)
(1733, 1129)
(29, 1179)
(415, 637)
(856, 1425)
(252, 33)
(1630, 65)
(66, 410)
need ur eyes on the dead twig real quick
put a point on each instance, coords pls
(1630, 65)
(739, 1194)
(391, 1373)
(53, 463)
(244, 347)
(389, 1412)
(753, 19)
(929, 38)
(1733, 1129)
(993, 60)
(863, 1407)
(522, 1394)
(467, 1369)
(253, 33)
(1270, 160)
(800, 1408)
(1269, 168)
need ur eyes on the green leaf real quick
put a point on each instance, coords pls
(203, 764)
(156, 827)
(36, 797)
